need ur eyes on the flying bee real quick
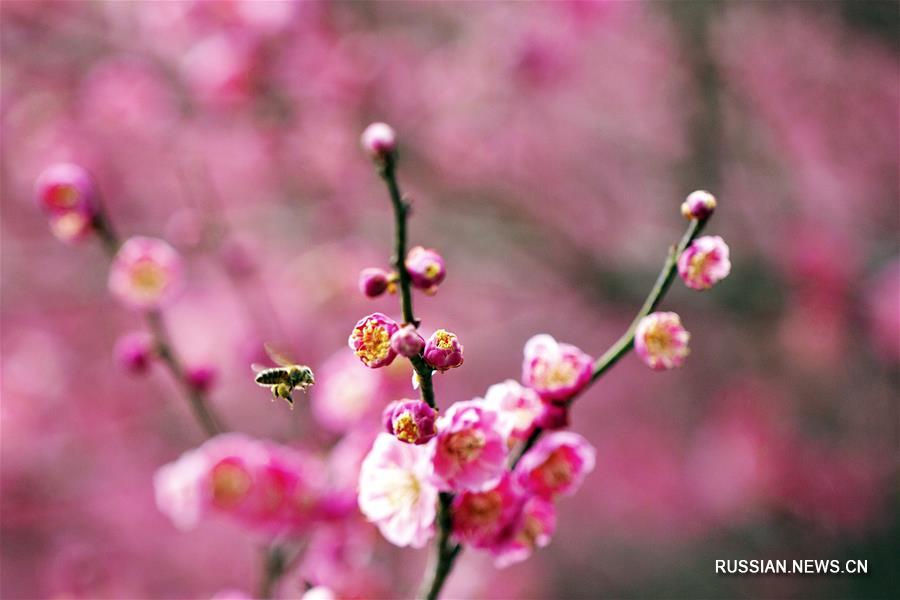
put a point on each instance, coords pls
(284, 378)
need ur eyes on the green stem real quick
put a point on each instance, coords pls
(446, 550)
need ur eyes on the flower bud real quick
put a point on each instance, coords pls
(379, 140)
(704, 263)
(443, 350)
(698, 205)
(410, 421)
(145, 273)
(553, 416)
(426, 268)
(201, 377)
(373, 282)
(68, 195)
(660, 341)
(407, 341)
(134, 351)
(371, 340)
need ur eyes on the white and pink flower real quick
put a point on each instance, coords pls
(519, 407)
(661, 341)
(470, 449)
(556, 465)
(479, 518)
(396, 493)
(532, 528)
(146, 273)
(704, 263)
(555, 371)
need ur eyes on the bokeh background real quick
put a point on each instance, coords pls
(547, 148)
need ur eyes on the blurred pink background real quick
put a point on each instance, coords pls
(547, 148)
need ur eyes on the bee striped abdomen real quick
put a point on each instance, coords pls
(272, 376)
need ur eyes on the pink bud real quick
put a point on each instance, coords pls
(698, 205)
(373, 282)
(379, 140)
(704, 263)
(426, 268)
(443, 350)
(146, 273)
(67, 194)
(407, 341)
(410, 421)
(553, 416)
(201, 377)
(134, 351)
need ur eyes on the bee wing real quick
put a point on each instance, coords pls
(256, 367)
(277, 357)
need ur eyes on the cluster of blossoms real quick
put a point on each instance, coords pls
(266, 486)
(467, 451)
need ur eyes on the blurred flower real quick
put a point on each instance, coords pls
(407, 341)
(698, 205)
(261, 484)
(555, 371)
(319, 592)
(201, 377)
(517, 406)
(660, 340)
(346, 393)
(373, 282)
(426, 268)
(378, 140)
(704, 262)
(470, 449)
(556, 465)
(883, 303)
(67, 194)
(146, 273)
(532, 528)
(371, 340)
(134, 351)
(480, 517)
(395, 492)
(410, 421)
(443, 350)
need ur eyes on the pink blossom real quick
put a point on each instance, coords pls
(553, 416)
(443, 350)
(532, 528)
(379, 139)
(426, 268)
(518, 407)
(470, 449)
(395, 492)
(146, 273)
(134, 351)
(410, 421)
(371, 340)
(660, 341)
(201, 377)
(556, 465)
(704, 262)
(698, 205)
(264, 485)
(407, 341)
(480, 517)
(555, 371)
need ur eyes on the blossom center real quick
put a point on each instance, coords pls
(376, 343)
(556, 375)
(405, 493)
(658, 340)
(483, 509)
(699, 264)
(148, 277)
(230, 484)
(556, 470)
(405, 428)
(64, 196)
(465, 446)
(432, 270)
(444, 339)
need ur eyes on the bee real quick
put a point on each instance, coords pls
(284, 378)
